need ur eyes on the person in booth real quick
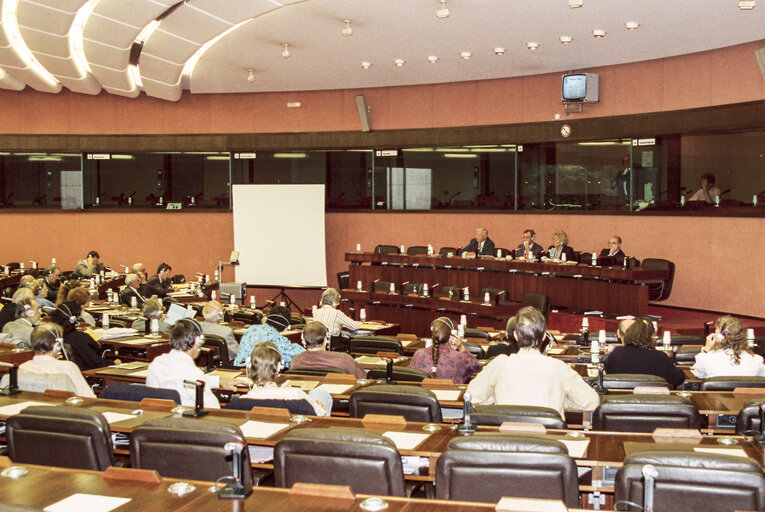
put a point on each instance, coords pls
(316, 355)
(614, 248)
(560, 247)
(447, 358)
(277, 321)
(332, 318)
(47, 343)
(169, 370)
(213, 315)
(638, 353)
(132, 289)
(708, 191)
(481, 245)
(89, 266)
(529, 249)
(727, 353)
(27, 317)
(529, 377)
(159, 284)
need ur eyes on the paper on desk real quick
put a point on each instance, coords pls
(115, 332)
(736, 452)
(406, 343)
(261, 429)
(576, 448)
(335, 389)
(226, 374)
(140, 373)
(114, 417)
(446, 394)
(16, 408)
(305, 385)
(91, 502)
(557, 351)
(406, 440)
(378, 361)
(135, 365)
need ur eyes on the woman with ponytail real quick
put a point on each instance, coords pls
(447, 358)
(727, 353)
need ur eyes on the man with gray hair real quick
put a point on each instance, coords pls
(26, 281)
(332, 318)
(213, 315)
(132, 290)
(479, 246)
(8, 313)
(140, 270)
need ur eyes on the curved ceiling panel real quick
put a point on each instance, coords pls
(16, 58)
(9, 82)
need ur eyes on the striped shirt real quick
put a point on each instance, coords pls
(334, 319)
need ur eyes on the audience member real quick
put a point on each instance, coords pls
(481, 245)
(708, 191)
(152, 308)
(332, 318)
(51, 275)
(26, 280)
(316, 355)
(447, 358)
(81, 296)
(89, 266)
(71, 282)
(27, 317)
(614, 248)
(8, 313)
(40, 291)
(277, 321)
(529, 249)
(727, 353)
(213, 315)
(159, 284)
(86, 351)
(132, 290)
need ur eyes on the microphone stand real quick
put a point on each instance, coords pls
(649, 477)
(199, 387)
(13, 384)
(760, 439)
(466, 427)
(598, 385)
(237, 489)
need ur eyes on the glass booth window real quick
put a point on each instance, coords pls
(41, 180)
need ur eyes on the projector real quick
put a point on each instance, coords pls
(442, 13)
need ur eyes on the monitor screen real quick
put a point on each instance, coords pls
(575, 87)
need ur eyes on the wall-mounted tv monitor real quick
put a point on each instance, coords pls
(580, 87)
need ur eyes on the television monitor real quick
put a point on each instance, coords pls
(580, 87)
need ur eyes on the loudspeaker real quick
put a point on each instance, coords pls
(361, 102)
(760, 56)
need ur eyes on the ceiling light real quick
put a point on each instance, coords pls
(498, 50)
(532, 45)
(631, 25)
(290, 155)
(347, 30)
(366, 65)
(565, 40)
(432, 59)
(286, 51)
(250, 76)
(399, 62)
(466, 55)
(443, 12)
(746, 4)
(575, 4)
(598, 33)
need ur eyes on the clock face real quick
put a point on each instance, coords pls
(565, 130)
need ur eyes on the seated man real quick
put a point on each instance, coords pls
(708, 191)
(26, 280)
(27, 317)
(332, 318)
(159, 284)
(131, 290)
(89, 266)
(529, 377)
(8, 313)
(140, 270)
(46, 342)
(316, 355)
(213, 315)
(529, 249)
(51, 275)
(277, 321)
(481, 245)
(614, 248)
(169, 370)
(152, 308)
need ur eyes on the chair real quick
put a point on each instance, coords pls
(381, 286)
(375, 344)
(412, 288)
(412, 402)
(498, 414)
(633, 380)
(367, 462)
(187, 448)
(496, 295)
(748, 419)
(693, 482)
(443, 251)
(731, 383)
(219, 348)
(342, 280)
(320, 372)
(400, 374)
(644, 413)
(178, 279)
(471, 332)
(61, 436)
(660, 291)
(417, 250)
(293, 406)
(453, 292)
(297, 320)
(137, 392)
(686, 355)
(539, 301)
(501, 348)
(485, 467)
(387, 249)
(41, 382)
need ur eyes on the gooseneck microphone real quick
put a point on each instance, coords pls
(649, 479)
(466, 427)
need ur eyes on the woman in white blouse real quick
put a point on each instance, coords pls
(727, 353)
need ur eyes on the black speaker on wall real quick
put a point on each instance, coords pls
(361, 102)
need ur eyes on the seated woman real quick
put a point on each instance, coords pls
(81, 297)
(40, 290)
(68, 284)
(151, 309)
(265, 365)
(638, 354)
(46, 343)
(277, 321)
(727, 353)
(447, 358)
(560, 250)
(87, 351)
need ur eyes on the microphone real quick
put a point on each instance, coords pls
(237, 489)
(199, 386)
(466, 427)
(389, 371)
(598, 386)
(649, 477)
(13, 384)
(760, 439)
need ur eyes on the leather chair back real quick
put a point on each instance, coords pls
(444, 251)
(731, 383)
(387, 249)
(312, 371)
(485, 467)
(375, 344)
(660, 291)
(633, 380)
(219, 349)
(293, 406)
(412, 402)
(498, 414)
(415, 250)
(137, 392)
(342, 280)
(367, 462)
(686, 356)
(748, 419)
(694, 482)
(496, 295)
(644, 413)
(381, 286)
(187, 448)
(60, 436)
(471, 332)
(400, 373)
(539, 301)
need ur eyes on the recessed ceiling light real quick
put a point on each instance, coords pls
(399, 62)
(466, 55)
(366, 65)
(631, 25)
(598, 33)
(432, 59)
(574, 4)
(532, 45)
(746, 4)
(498, 50)
(347, 30)
(565, 40)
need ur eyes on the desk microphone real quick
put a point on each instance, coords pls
(199, 386)
(389, 371)
(237, 489)
(649, 477)
(466, 427)
(13, 384)
(598, 385)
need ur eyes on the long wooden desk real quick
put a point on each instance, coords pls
(610, 289)
(10, 354)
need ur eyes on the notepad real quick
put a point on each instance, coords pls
(261, 429)
(224, 374)
(140, 373)
(406, 440)
(335, 389)
(135, 365)
(305, 385)
(735, 452)
(91, 502)
(576, 448)
(114, 417)
(10, 410)
(446, 394)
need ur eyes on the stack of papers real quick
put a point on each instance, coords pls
(114, 332)
(177, 312)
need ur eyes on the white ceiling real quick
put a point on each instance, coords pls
(251, 33)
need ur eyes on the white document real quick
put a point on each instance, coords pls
(115, 332)
(406, 440)
(10, 410)
(135, 365)
(406, 343)
(735, 452)
(90, 502)
(576, 449)
(335, 389)
(261, 429)
(177, 312)
(305, 385)
(446, 394)
(114, 417)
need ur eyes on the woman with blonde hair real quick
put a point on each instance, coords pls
(560, 250)
(727, 353)
(40, 290)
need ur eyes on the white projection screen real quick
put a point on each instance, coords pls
(279, 233)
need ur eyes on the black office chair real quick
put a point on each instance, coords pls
(400, 374)
(496, 295)
(498, 414)
(297, 321)
(380, 286)
(387, 249)
(342, 280)
(367, 462)
(375, 344)
(412, 402)
(660, 291)
(539, 301)
(178, 279)
(119, 322)
(485, 467)
(501, 348)
(693, 482)
(219, 349)
(137, 392)
(471, 332)
(416, 250)
(644, 413)
(731, 383)
(187, 448)
(293, 406)
(748, 419)
(60, 435)
(686, 356)
(444, 251)
(633, 380)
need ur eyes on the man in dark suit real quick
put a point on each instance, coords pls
(51, 275)
(529, 249)
(481, 245)
(614, 248)
(159, 284)
(132, 289)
